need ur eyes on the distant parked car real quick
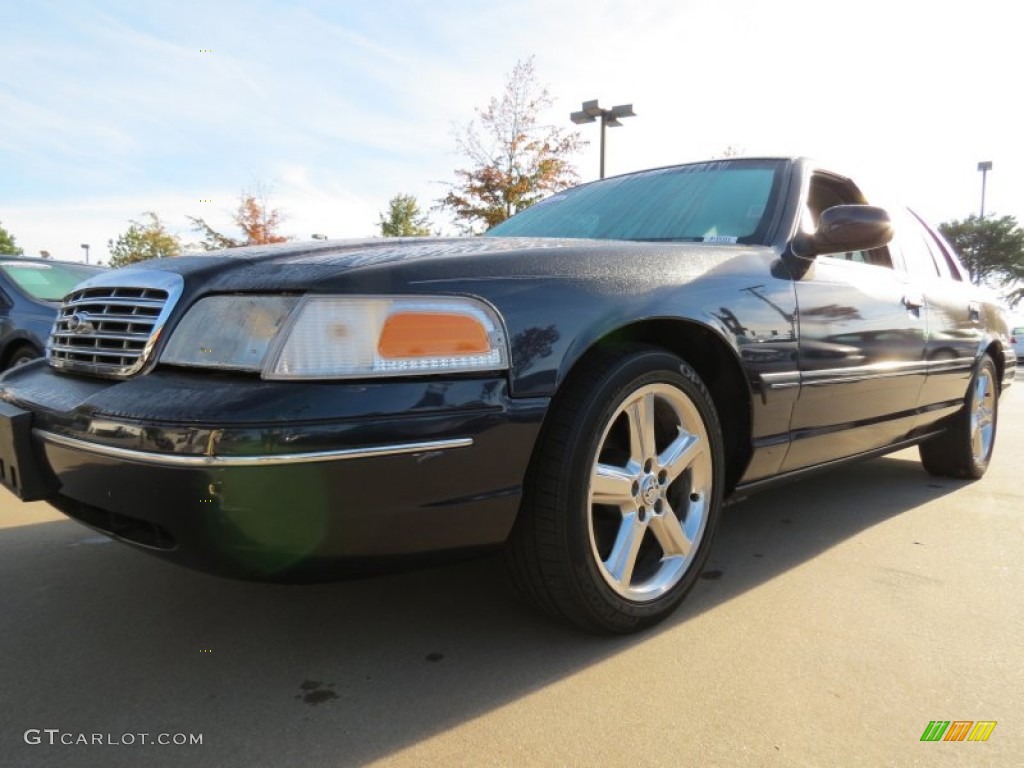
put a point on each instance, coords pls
(30, 294)
(1017, 339)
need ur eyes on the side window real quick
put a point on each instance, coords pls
(950, 265)
(917, 254)
(879, 257)
(940, 261)
(956, 270)
(826, 191)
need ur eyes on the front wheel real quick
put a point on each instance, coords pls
(623, 495)
(965, 448)
(23, 354)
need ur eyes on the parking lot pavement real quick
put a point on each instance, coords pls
(838, 616)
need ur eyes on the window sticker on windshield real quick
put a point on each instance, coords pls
(720, 239)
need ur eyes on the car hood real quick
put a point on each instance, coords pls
(396, 263)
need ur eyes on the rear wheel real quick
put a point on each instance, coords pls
(965, 448)
(623, 495)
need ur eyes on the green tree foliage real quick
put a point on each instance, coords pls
(404, 218)
(147, 239)
(7, 244)
(254, 217)
(992, 249)
(212, 239)
(514, 160)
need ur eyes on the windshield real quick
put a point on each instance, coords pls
(47, 282)
(718, 202)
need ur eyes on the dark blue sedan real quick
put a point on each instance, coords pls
(30, 294)
(585, 386)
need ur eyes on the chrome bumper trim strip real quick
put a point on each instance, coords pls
(176, 460)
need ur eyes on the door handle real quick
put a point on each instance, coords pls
(974, 312)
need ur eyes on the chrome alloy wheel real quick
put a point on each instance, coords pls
(983, 422)
(650, 490)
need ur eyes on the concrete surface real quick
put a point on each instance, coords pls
(838, 617)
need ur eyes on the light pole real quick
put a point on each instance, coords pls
(985, 166)
(85, 247)
(591, 111)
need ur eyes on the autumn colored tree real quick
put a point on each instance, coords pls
(404, 218)
(254, 217)
(7, 244)
(514, 159)
(257, 221)
(992, 249)
(147, 239)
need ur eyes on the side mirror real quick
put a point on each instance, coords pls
(844, 228)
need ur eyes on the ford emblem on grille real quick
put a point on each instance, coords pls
(79, 322)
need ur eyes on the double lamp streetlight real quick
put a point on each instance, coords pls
(591, 112)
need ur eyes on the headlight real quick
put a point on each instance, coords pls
(232, 332)
(328, 337)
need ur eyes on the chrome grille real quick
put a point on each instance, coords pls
(110, 330)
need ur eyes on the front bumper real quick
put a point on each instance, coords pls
(275, 480)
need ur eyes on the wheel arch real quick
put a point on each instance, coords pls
(998, 355)
(11, 348)
(714, 359)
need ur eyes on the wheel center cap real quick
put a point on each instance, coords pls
(649, 490)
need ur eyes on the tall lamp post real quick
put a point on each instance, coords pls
(609, 117)
(85, 247)
(985, 166)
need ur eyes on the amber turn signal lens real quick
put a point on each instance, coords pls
(432, 334)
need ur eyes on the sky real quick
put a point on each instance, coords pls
(109, 109)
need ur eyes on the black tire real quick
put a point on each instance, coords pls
(569, 550)
(965, 448)
(23, 354)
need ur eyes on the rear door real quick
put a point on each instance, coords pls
(955, 323)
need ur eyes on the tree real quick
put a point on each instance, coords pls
(7, 244)
(404, 218)
(514, 160)
(733, 150)
(992, 249)
(212, 239)
(258, 222)
(143, 240)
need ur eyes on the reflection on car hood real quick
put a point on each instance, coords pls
(359, 253)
